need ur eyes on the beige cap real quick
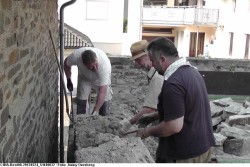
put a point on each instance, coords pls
(138, 49)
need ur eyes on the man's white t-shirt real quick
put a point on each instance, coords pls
(154, 89)
(100, 77)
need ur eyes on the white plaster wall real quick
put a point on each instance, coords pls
(108, 30)
(239, 46)
(233, 19)
(110, 48)
(134, 25)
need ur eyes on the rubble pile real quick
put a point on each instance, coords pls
(231, 123)
(98, 141)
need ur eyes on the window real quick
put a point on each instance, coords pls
(155, 2)
(231, 34)
(125, 16)
(247, 46)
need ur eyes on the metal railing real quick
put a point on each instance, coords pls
(180, 15)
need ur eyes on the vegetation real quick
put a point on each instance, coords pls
(125, 23)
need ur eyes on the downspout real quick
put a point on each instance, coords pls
(61, 78)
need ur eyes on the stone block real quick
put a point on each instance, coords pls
(5, 116)
(237, 147)
(2, 77)
(221, 126)
(13, 71)
(14, 57)
(2, 134)
(24, 53)
(216, 120)
(1, 19)
(1, 56)
(1, 99)
(6, 4)
(234, 109)
(246, 104)
(98, 141)
(115, 150)
(215, 109)
(219, 139)
(225, 115)
(10, 41)
(239, 120)
(224, 102)
(234, 132)
(245, 127)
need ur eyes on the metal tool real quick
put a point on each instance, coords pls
(61, 74)
(72, 111)
(131, 132)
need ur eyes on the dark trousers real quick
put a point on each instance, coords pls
(82, 107)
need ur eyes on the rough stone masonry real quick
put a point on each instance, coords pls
(28, 81)
(97, 138)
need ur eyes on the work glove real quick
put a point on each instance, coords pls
(95, 113)
(146, 119)
(69, 85)
(142, 133)
(125, 125)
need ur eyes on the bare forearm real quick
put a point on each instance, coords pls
(158, 131)
(67, 70)
(165, 129)
(145, 110)
(100, 97)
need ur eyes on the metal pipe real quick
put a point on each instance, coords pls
(61, 78)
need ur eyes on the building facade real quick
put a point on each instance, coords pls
(199, 28)
(28, 81)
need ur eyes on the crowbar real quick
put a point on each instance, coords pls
(61, 74)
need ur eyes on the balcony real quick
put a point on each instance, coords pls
(162, 15)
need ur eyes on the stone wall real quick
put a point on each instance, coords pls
(222, 76)
(28, 81)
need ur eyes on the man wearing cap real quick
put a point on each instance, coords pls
(141, 58)
(94, 71)
(185, 128)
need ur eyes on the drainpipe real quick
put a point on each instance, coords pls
(61, 78)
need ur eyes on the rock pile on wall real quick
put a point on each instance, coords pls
(231, 122)
(98, 141)
(97, 138)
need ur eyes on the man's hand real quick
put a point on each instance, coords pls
(125, 126)
(142, 133)
(69, 85)
(146, 119)
(95, 113)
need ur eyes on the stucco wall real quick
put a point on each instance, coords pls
(28, 81)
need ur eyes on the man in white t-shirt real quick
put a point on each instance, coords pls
(94, 71)
(141, 58)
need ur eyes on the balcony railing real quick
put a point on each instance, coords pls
(180, 15)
